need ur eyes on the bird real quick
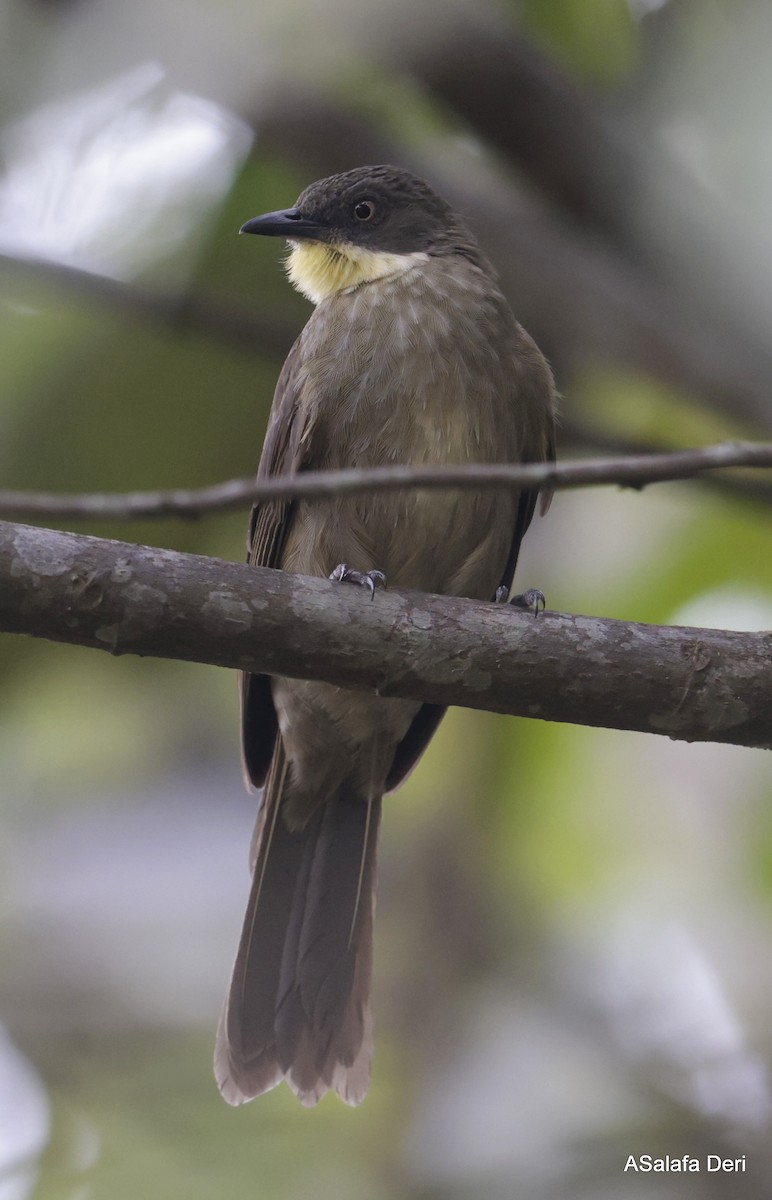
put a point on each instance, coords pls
(411, 355)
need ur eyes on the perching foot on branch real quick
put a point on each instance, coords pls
(369, 579)
(532, 601)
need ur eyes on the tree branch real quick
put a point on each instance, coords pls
(691, 684)
(582, 437)
(635, 472)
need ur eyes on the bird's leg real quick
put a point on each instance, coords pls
(532, 601)
(343, 573)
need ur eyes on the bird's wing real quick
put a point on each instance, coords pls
(525, 509)
(268, 528)
(540, 447)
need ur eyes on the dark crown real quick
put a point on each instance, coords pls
(386, 208)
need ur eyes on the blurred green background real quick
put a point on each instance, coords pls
(574, 926)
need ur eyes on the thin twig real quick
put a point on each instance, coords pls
(579, 437)
(635, 472)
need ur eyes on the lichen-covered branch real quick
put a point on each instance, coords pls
(692, 684)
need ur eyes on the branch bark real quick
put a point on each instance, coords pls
(690, 684)
(635, 471)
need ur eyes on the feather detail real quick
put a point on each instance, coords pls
(299, 1006)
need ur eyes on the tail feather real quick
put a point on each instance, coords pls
(332, 913)
(298, 1006)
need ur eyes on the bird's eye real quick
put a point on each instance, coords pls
(364, 210)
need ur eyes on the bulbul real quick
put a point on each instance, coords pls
(411, 356)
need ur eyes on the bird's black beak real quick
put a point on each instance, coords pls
(288, 223)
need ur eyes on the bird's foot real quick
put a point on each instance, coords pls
(369, 579)
(532, 601)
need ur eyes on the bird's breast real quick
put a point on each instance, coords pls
(410, 371)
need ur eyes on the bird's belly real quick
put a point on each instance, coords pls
(431, 540)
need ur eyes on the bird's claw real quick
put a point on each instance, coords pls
(532, 601)
(343, 573)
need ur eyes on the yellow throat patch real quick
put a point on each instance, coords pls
(319, 270)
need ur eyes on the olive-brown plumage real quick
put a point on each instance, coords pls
(412, 355)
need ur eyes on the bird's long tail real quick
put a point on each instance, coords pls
(298, 1006)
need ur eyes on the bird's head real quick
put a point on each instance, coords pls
(361, 226)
